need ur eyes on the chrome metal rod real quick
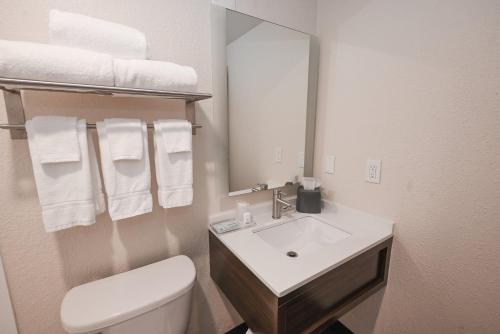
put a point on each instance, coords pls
(89, 126)
(24, 84)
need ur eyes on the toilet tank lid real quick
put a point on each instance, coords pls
(120, 297)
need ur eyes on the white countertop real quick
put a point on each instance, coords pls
(282, 274)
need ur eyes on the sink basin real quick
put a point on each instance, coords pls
(302, 236)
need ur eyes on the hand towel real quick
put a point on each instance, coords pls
(69, 192)
(25, 60)
(124, 138)
(158, 75)
(127, 182)
(174, 170)
(56, 139)
(177, 135)
(75, 30)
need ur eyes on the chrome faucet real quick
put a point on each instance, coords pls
(259, 187)
(279, 203)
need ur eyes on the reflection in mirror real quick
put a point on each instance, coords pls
(267, 88)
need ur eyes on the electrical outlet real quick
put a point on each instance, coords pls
(373, 169)
(330, 164)
(278, 155)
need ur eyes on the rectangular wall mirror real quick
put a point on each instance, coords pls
(267, 74)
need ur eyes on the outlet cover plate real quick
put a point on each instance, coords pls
(278, 155)
(373, 170)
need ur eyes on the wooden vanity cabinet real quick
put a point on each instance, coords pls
(308, 309)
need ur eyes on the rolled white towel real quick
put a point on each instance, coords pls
(35, 61)
(151, 74)
(75, 30)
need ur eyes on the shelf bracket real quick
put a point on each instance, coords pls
(15, 112)
(191, 113)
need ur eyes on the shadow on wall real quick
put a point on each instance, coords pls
(210, 180)
(369, 311)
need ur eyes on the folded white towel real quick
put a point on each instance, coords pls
(176, 134)
(174, 171)
(24, 60)
(75, 30)
(124, 138)
(150, 74)
(69, 192)
(56, 139)
(127, 182)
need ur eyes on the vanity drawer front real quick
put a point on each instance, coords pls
(310, 307)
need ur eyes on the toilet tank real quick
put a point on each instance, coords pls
(149, 299)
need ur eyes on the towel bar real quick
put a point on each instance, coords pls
(89, 126)
(15, 111)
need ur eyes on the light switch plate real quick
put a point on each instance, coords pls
(330, 164)
(300, 159)
(373, 170)
(278, 155)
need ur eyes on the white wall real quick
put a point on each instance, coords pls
(296, 14)
(417, 84)
(268, 76)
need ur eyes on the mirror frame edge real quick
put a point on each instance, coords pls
(312, 96)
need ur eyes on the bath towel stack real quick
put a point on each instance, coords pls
(35, 61)
(80, 31)
(86, 50)
(90, 51)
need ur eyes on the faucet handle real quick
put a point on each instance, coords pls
(283, 193)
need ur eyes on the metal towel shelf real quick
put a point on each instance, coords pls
(89, 126)
(15, 111)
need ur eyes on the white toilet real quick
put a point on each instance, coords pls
(155, 299)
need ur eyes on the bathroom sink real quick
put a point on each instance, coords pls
(302, 236)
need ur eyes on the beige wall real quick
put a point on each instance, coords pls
(417, 84)
(41, 267)
(296, 14)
